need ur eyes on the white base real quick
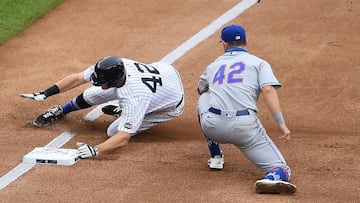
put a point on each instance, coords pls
(43, 155)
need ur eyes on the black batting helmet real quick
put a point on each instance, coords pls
(109, 71)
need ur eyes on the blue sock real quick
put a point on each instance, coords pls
(76, 104)
(214, 147)
(277, 173)
(69, 107)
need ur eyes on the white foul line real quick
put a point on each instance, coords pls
(208, 30)
(63, 138)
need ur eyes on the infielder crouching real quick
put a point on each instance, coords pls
(148, 94)
(229, 88)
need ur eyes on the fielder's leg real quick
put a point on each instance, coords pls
(216, 160)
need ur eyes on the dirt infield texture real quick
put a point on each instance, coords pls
(313, 47)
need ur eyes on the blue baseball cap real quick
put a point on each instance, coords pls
(233, 33)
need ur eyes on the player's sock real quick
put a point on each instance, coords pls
(214, 147)
(277, 173)
(76, 104)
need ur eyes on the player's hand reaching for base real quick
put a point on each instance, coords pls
(286, 132)
(86, 151)
(38, 96)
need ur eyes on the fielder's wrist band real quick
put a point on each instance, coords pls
(96, 151)
(52, 90)
(279, 118)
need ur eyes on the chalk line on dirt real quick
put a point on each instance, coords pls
(170, 58)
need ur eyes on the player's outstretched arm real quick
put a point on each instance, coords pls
(272, 101)
(118, 140)
(71, 81)
(67, 83)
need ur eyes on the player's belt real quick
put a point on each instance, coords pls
(238, 113)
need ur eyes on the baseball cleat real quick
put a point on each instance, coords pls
(217, 162)
(266, 186)
(49, 116)
(112, 110)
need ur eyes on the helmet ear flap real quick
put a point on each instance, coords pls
(121, 80)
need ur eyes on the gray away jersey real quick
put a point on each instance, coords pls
(235, 80)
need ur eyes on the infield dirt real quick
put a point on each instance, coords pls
(313, 48)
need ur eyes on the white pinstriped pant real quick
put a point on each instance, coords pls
(95, 96)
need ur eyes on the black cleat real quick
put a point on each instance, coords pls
(49, 116)
(112, 110)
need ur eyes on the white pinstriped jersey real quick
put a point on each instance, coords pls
(148, 88)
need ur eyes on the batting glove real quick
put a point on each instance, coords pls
(38, 96)
(86, 151)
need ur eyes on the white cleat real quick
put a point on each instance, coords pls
(217, 162)
(266, 186)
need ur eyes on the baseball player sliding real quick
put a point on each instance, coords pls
(148, 94)
(229, 89)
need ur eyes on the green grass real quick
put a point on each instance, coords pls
(16, 15)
